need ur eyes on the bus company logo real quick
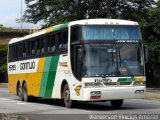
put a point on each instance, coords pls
(12, 67)
(127, 41)
(64, 64)
(27, 65)
(77, 89)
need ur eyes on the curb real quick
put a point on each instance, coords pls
(3, 85)
(150, 95)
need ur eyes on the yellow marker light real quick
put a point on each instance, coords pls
(86, 23)
(50, 29)
(139, 79)
(106, 23)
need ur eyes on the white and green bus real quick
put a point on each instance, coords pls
(84, 60)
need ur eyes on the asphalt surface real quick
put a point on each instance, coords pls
(153, 90)
(49, 109)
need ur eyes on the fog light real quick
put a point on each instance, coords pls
(139, 91)
(139, 83)
(95, 93)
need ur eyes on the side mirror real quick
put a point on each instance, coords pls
(146, 54)
(79, 60)
(82, 53)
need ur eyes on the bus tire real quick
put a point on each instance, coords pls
(116, 103)
(66, 96)
(25, 93)
(19, 92)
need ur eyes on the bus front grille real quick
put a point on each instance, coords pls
(117, 83)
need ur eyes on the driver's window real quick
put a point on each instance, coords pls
(78, 53)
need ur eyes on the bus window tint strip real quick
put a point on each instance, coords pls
(110, 33)
(44, 45)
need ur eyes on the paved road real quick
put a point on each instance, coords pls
(40, 108)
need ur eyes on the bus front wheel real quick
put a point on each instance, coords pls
(116, 103)
(66, 96)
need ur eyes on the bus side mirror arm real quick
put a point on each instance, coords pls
(83, 52)
(146, 54)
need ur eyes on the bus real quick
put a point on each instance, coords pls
(83, 60)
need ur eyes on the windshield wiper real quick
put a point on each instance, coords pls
(127, 68)
(123, 61)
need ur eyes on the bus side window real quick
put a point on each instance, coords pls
(47, 39)
(10, 52)
(24, 49)
(28, 48)
(65, 40)
(16, 52)
(14, 49)
(53, 48)
(42, 45)
(32, 47)
(20, 50)
(60, 40)
(38, 51)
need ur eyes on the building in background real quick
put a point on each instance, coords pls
(5, 35)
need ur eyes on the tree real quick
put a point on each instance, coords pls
(151, 34)
(145, 12)
(57, 11)
(3, 58)
(2, 28)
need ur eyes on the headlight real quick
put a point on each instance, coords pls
(139, 83)
(95, 93)
(93, 84)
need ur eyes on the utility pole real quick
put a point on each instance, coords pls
(108, 9)
(21, 15)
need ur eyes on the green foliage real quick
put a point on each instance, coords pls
(57, 11)
(3, 68)
(151, 29)
(4, 28)
(3, 47)
(146, 12)
(150, 26)
(3, 58)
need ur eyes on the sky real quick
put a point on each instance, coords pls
(10, 10)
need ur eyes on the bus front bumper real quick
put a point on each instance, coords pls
(113, 93)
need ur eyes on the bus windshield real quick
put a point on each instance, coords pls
(113, 60)
(95, 32)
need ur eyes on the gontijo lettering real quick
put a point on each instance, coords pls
(27, 65)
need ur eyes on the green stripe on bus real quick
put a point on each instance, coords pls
(61, 27)
(48, 76)
(45, 76)
(51, 76)
(125, 79)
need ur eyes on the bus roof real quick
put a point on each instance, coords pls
(102, 22)
(41, 32)
(78, 22)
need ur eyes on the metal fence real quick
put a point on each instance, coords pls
(19, 30)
